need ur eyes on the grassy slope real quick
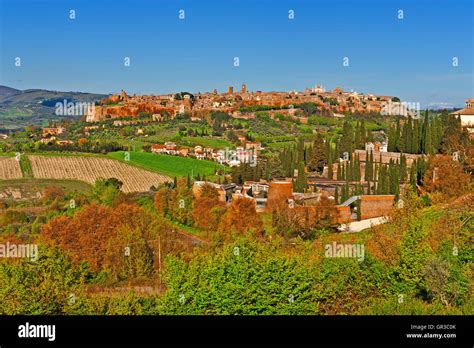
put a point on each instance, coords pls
(25, 167)
(208, 142)
(165, 164)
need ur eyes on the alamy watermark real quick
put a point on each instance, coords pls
(345, 250)
(10, 250)
(66, 108)
(237, 157)
(401, 109)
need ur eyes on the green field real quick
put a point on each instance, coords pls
(25, 166)
(166, 164)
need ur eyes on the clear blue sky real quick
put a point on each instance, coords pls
(409, 58)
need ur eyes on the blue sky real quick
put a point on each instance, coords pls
(409, 58)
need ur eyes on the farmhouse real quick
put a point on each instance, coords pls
(64, 142)
(466, 115)
(53, 131)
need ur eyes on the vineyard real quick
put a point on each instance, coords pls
(9, 168)
(89, 169)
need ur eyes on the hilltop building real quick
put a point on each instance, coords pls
(466, 115)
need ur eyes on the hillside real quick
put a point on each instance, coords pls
(34, 106)
(168, 165)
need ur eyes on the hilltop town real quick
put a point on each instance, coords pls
(238, 103)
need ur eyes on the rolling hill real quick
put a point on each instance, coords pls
(35, 106)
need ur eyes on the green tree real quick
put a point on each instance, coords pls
(106, 190)
(318, 159)
(40, 287)
(301, 181)
(347, 139)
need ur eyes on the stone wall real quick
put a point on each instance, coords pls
(375, 206)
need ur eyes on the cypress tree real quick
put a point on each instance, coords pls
(318, 158)
(359, 213)
(380, 183)
(413, 175)
(386, 188)
(339, 173)
(403, 167)
(347, 140)
(300, 150)
(372, 176)
(415, 141)
(336, 195)
(391, 139)
(363, 134)
(376, 173)
(330, 169)
(428, 141)
(367, 165)
(345, 193)
(301, 183)
(397, 136)
(358, 168)
(357, 138)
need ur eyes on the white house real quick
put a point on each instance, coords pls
(466, 114)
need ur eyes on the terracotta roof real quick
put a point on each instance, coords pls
(464, 111)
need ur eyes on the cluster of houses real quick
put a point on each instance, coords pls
(196, 105)
(248, 153)
(49, 136)
(278, 194)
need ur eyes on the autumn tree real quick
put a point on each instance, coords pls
(161, 200)
(241, 217)
(446, 175)
(129, 254)
(207, 210)
(53, 192)
(87, 235)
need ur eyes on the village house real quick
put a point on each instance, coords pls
(64, 142)
(89, 128)
(53, 131)
(170, 146)
(48, 140)
(253, 145)
(156, 148)
(466, 115)
(241, 138)
(184, 151)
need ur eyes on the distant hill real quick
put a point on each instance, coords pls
(15, 97)
(7, 91)
(35, 106)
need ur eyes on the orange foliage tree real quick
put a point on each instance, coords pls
(446, 175)
(207, 210)
(86, 235)
(241, 217)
